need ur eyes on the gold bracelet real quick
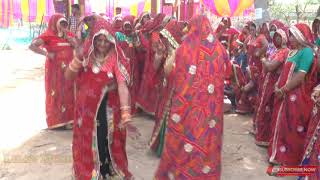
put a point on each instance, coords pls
(77, 60)
(125, 108)
(125, 115)
(126, 121)
(76, 63)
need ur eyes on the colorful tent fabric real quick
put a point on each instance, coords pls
(227, 8)
(27, 10)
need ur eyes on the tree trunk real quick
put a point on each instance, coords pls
(298, 13)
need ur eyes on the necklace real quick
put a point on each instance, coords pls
(98, 62)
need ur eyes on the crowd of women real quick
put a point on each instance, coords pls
(179, 72)
(274, 75)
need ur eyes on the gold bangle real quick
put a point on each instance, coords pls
(77, 60)
(125, 108)
(73, 69)
(125, 116)
(126, 121)
(76, 64)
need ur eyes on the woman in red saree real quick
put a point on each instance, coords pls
(193, 139)
(272, 69)
(142, 20)
(102, 106)
(312, 144)
(256, 46)
(126, 40)
(149, 88)
(228, 34)
(169, 39)
(59, 52)
(293, 104)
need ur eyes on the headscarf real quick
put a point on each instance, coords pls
(128, 20)
(157, 23)
(139, 19)
(221, 24)
(199, 30)
(54, 21)
(278, 24)
(117, 23)
(101, 26)
(173, 32)
(51, 35)
(303, 34)
(265, 31)
(284, 38)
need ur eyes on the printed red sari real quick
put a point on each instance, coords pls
(311, 154)
(59, 91)
(265, 99)
(95, 87)
(291, 113)
(193, 139)
(240, 80)
(171, 38)
(247, 102)
(151, 81)
(264, 111)
(290, 119)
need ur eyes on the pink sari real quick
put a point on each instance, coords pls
(59, 91)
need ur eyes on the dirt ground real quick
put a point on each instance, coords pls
(29, 153)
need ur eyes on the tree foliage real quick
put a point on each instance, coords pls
(296, 10)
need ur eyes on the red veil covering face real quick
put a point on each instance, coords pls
(128, 21)
(230, 34)
(59, 91)
(171, 38)
(193, 139)
(291, 114)
(151, 79)
(93, 86)
(263, 114)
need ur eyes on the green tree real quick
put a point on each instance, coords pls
(297, 10)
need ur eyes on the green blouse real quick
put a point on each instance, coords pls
(303, 60)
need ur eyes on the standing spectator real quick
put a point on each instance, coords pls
(118, 11)
(58, 44)
(74, 18)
